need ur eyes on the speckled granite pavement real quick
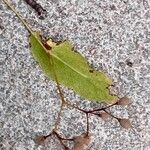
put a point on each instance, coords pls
(109, 33)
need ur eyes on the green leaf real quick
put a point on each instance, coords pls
(72, 70)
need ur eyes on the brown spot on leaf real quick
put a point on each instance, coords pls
(58, 42)
(47, 46)
(91, 71)
(29, 44)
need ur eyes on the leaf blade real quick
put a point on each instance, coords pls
(72, 70)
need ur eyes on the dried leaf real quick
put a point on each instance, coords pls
(81, 141)
(125, 123)
(78, 146)
(104, 115)
(72, 70)
(123, 101)
(39, 139)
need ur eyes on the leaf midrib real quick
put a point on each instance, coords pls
(58, 57)
(69, 66)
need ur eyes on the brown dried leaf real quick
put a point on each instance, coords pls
(87, 139)
(125, 123)
(104, 115)
(81, 141)
(40, 139)
(123, 101)
(78, 146)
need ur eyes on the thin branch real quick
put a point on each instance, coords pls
(70, 139)
(48, 135)
(74, 106)
(87, 121)
(111, 114)
(60, 94)
(60, 139)
(103, 108)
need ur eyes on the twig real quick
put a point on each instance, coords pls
(87, 121)
(74, 106)
(111, 114)
(103, 108)
(60, 94)
(60, 139)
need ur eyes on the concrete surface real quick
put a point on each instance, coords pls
(108, 33)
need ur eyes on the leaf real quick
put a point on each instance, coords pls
(81, 141)
(39, 139)
(123, 101)
(125, 123)
(104, 115)
(72, 70)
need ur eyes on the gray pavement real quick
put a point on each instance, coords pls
(109, 33)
